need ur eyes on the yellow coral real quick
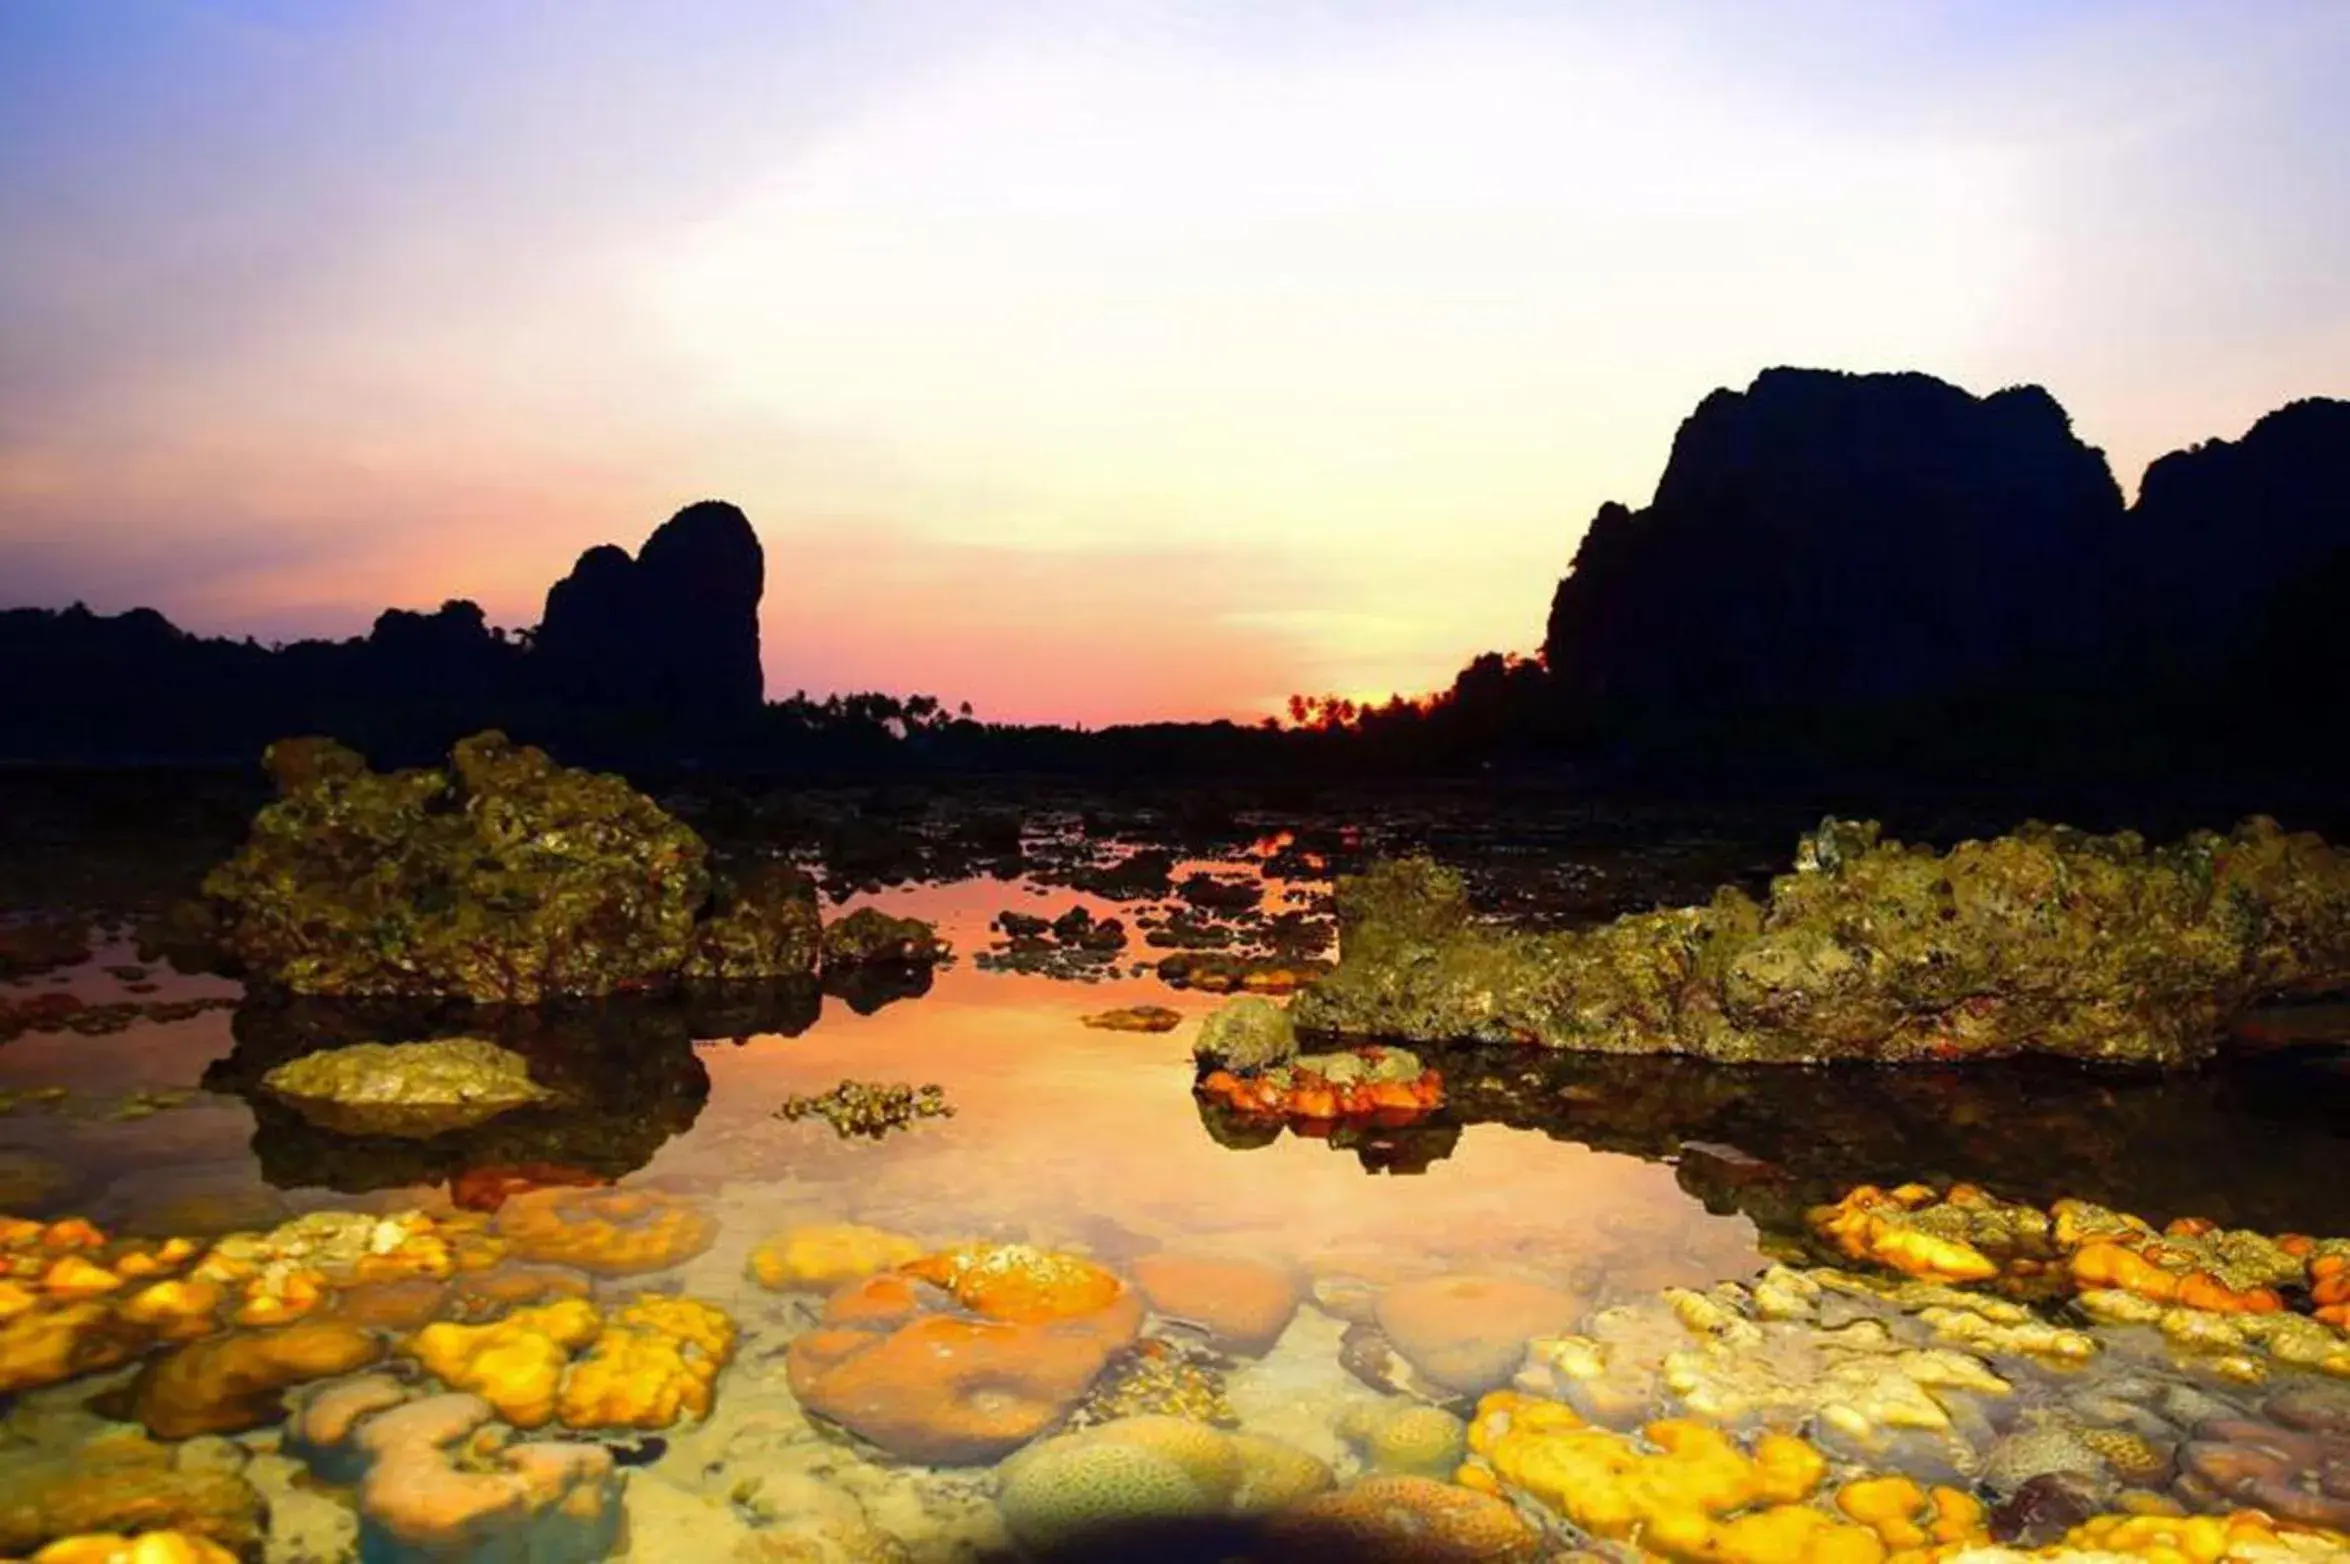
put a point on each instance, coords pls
(155, 1547)
(658, 1358)
(1697, 1498)
(823, 1255)
(515, 1364)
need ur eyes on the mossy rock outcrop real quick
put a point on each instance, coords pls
(501, 877)
(2048, 940)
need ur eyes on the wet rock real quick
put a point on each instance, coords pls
(1135, 1018)
(867, 937)
(2047, 940)
(412, 1090)
(761, 925)
(1245, 1035)
(499, 877)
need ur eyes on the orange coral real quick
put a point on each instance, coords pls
(613, 1232)
(227, 1384)
(155, 1547)
(922, 1371)
(1394, 1517)
(487, 1189)
(1301, 1092)
(1016, 1283)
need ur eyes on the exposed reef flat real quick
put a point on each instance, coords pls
(2049, 940)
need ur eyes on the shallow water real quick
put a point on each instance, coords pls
(1608, 1179)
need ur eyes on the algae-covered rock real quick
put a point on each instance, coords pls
(499, 877)
(2044, 941)
(414, 1090)
(1244, 1035)
(762, 925)
(869, 937)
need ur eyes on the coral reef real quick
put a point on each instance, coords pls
(2046, 940)
(2220, 1296)
(501, 877)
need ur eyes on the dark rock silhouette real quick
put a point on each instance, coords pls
(2227, 534)
(674, 630)
(1824, 536)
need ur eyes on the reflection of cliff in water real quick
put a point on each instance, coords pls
(626, 1069)
(2258, 1143)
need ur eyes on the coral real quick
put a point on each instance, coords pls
(657, 1360)
(1134, 1018)
(1243, 1305)
(1075, 1489)
(2046, 940)
(2292, 1474)
(870, 1108)
(1966, 1236)
(501, 877)
(321, 1431)
(416, 1090)
(971, 1366)
(515, 1364)
(1274, 1474)
(1123, 1477)
(1385, 1086)
(1408, 1520)
(226, 1384)
(1157, 1376)
(1469, 1333)
(1757, 1359)
(154, 1547)
(1685, 1491)
(612, 1232)
(1409, 1438)
(435, 1489)
(1245, 1036)
(125, 1484)
(487, 1189)
(1018, 1283)
(820, 1256)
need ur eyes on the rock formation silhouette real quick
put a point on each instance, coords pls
(1834, 537)
(1883, 573)
(676, 629)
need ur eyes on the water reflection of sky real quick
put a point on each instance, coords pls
(1061, 1133)
(1070, 1135)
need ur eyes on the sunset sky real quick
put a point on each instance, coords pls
(1085, 361)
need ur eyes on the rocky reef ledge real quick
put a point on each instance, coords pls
(2047, 941)
(505, 878)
